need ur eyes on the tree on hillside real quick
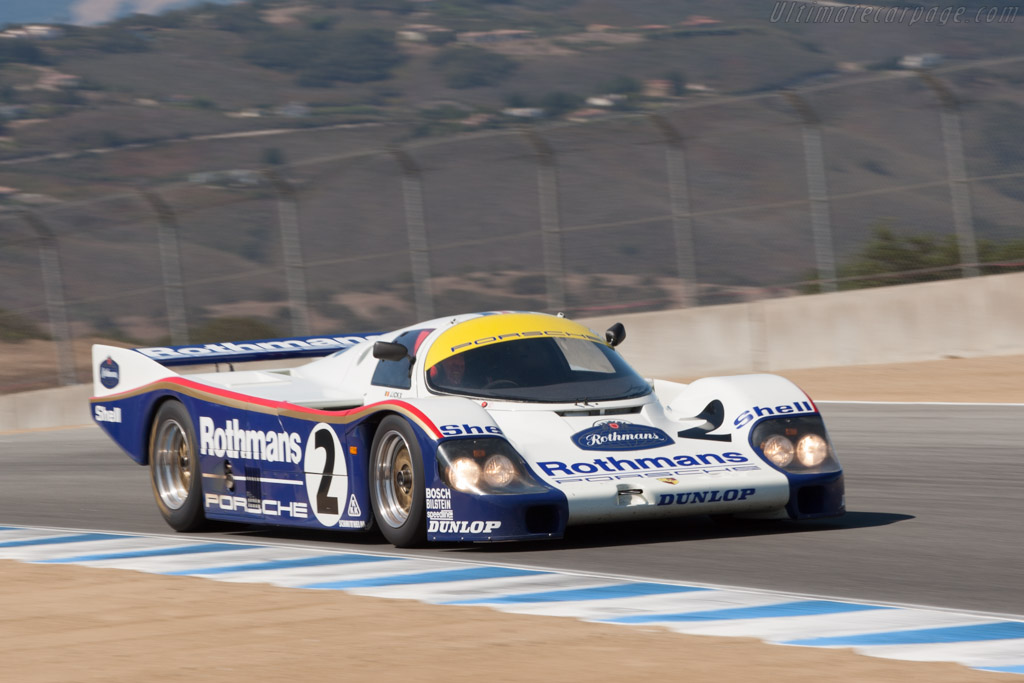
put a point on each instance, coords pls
(321, 58)
(396, 6)
(560, 102)
(172, 19)
(21, 51)
(241, 18)
(678, 81)
(114, 39)
(620, 85)
(473, 67)
(515, 100)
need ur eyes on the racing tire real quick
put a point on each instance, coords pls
(174, 468)
(397, 492)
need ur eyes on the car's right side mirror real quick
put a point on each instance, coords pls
(615, 334)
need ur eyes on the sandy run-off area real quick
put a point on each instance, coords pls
(60, 623)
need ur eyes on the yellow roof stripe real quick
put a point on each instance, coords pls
(503, 327)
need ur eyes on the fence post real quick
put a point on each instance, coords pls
(416, 227)
(550, 219)
(53, 289)
(817, 191)
(956, 173)
(294, 266)
(170, 264)
(682, 219)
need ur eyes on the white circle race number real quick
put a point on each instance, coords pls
(326, 474)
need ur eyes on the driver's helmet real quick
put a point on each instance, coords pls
(449, 372)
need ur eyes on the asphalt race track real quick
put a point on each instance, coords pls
(933, 493)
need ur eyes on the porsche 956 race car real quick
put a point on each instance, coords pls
(480, 427)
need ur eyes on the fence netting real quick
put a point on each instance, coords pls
(879, 179)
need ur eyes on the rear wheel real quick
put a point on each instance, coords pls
(396, 483)
(174, 468)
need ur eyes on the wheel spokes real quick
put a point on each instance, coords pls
(394, 479)
(172, 464)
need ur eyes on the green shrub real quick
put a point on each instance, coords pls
(889, 258)
(473, 67)
(559, 102)
(620, 85)
(21, 51)
(116, 40)
(354, 56)
(15, 327)
(241, 18)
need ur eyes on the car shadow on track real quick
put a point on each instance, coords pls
(688, 529)
(697, 528)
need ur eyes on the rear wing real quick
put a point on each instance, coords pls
(116, 370)
(240, 352)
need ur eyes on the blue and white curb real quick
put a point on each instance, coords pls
(986, 642)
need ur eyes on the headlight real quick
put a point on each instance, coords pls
(798, 445)
(464, 474)
(778, 449)
(484, 466)
(499, 471)
(811, 450)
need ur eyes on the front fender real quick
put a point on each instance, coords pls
(734, 405)
(744, 399)
(457, 516)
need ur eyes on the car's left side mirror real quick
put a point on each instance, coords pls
(615, 334)
(383, 350)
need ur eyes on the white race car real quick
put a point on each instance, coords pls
(479, 427)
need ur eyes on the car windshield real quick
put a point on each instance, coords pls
(549, 370)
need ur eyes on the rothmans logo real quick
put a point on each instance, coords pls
(110, 373)
(618, 435)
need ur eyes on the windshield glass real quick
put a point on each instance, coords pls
(551, 370)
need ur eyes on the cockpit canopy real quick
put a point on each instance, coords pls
(529, 357)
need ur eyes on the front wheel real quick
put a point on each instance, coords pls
(396, 483)
(174, 468)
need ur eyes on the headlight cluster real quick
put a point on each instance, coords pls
(795, 444)
(484, 466)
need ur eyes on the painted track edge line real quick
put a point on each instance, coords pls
(562, 572)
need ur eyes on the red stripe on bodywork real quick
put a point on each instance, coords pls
(283, 405)
(810, 400)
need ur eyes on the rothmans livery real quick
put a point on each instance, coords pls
(479, 427)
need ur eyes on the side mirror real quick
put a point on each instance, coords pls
(615, 334)
(383, 350)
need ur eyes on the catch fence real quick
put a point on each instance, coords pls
(883, 178)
